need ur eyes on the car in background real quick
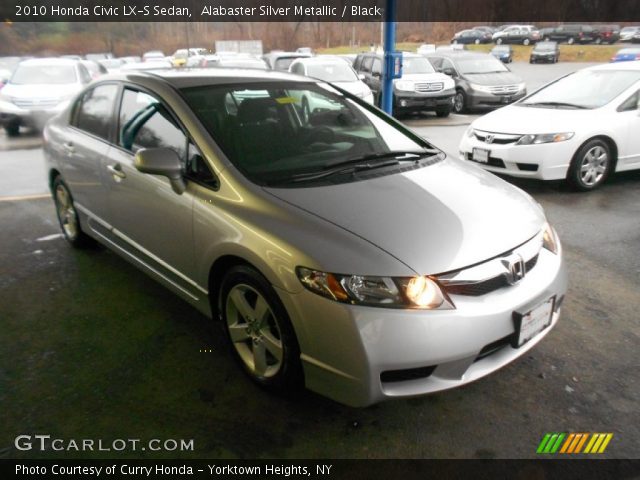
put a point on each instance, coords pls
(580, 128)
(181, 57)
(420, 88)
(95, 68)
(545, 52)
(305, 50)
(38, 90)
(281, 61)
(517, 34)
(131, 59)
(241, 60)
(7, 67)
(153, 55)
(112, 64)
(635, 38)
(348, 57)
(481, 80)
(160, 64)
(94, 57)
(334, 254)
(332, 70)
(627, 33)
(425, 48)
(466, 37)
(607, 33)
(72, 57)
(484, 28)
(504, 53)
(627, 54)
(572, 33)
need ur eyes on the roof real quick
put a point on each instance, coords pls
(50, 61)
(198, 77)
(458, 54)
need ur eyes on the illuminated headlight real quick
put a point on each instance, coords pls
(480, 88)
(536, 139)
(420, 292)
(550, 239)
(405, 85)
(521, 86)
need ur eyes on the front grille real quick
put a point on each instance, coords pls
(504, 89)
(428, 87)
(36, 102)
(391, 376)
(496, 138)
(486, 286)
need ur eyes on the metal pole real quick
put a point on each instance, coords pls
(389, 46)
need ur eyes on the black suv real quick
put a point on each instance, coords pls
(482, 81)
(573, 34)
(420, 88)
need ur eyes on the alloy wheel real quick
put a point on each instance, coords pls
(66, 212)
(594, 166)
(254, 331)
(458, 102)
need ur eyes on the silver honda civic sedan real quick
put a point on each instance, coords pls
(338, 249)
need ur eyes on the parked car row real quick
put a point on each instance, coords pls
(529, 34)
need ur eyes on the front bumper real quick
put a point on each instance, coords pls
(543, 58)
(32, 117)
(407, 100)
(362, 355)
(477, 99)
(548, 161)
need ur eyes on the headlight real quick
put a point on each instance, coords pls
(6, 98)
(521, 86)
(536, 139)
(550, 239)
(470, 131)
(405, 85)
(420, 292)
(480, 88)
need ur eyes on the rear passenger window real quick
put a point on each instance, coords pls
(377, 67)
(145, 123)
(95, 109)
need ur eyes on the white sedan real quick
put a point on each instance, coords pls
(579, 128)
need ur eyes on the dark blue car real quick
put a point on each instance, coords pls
(627, 55)
(504, 53)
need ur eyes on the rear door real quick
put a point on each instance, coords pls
(85, 144)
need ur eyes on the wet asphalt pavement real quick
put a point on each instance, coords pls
(92, 348)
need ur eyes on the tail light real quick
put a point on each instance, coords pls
(637, 58)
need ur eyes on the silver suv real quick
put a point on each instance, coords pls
(338, 249)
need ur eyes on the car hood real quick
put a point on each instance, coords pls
(522, 120)
(40, 91)
(497, 78)
(435, 219)
(356, 88)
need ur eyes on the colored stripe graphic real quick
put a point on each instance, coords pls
(572, 443)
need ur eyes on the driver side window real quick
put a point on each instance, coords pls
(630, 104)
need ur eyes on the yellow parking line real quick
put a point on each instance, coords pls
(19, 198)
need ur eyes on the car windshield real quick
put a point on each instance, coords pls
(544, 47)
(278, 132)
(283, 63)
(337, 71)
(416, 65)
(44, 75)
(584, 89)
(481, 65)
(181, 54)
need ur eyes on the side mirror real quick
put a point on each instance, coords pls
(161, 161)
(448, 71)
(361, 76)
(376, 74)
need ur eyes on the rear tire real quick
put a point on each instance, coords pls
(259, 331)
(68, 216)
(590, 166)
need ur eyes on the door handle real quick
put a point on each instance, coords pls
(116, 171)
(68, 146)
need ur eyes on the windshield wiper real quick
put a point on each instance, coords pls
(365, 162)
(556, 104)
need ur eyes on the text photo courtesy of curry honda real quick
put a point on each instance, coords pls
(341, 235)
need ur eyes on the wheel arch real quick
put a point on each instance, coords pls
(611, 143)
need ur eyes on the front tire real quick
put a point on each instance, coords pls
(443, 112)
(459, 102)
(590, 166)
(12, 129)
(259, 330)
(68, 215)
